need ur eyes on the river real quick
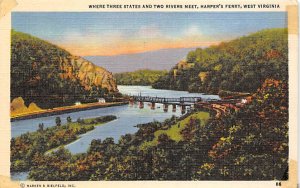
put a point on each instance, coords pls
(127, 118)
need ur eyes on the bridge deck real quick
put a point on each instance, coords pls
(181, 100)
(167, 100)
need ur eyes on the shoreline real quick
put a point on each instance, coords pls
(72, 141)
(63, 110)
(77, 138)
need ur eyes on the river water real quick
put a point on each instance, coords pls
(127, 118)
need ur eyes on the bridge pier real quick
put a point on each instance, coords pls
(173, 107)
(183, 102)
(153, 106)
(183, 109)
(141, 104)
(131, 102)
(165, 106)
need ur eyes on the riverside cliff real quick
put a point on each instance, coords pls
(50, 76)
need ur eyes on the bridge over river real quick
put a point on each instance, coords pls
(183, 102)
(163, 100)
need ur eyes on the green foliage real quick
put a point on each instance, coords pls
(69, 119)
(251, 144)
(139, 77)
(41, 127)
(29, 148)
(175, 131)
(241, 65)
(58, 121)
(256, 145)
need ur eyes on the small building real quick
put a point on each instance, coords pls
(244, 101)
(77, 103)
(101, 100)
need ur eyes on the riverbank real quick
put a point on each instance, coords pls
(175, 130)
(30, 147)
(128, 118)
(86, 121)
(64, 109)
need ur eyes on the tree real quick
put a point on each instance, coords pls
(41, 126)
(58, 121)
(69, 119)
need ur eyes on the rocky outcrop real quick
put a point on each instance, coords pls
(17, 106)
(75, 67)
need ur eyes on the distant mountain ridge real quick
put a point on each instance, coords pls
(50, 76)
(143, 77)
(163, 59)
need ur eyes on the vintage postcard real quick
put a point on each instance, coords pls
(139, 94)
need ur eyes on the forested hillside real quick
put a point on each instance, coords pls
(139, 77)
(239, 65)
(50, 76)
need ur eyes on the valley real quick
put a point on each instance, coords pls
(209, 140)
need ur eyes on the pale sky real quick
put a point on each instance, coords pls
(105, 34)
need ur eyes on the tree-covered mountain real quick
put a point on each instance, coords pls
(140, 77)
(50, 76)
(239, 65)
